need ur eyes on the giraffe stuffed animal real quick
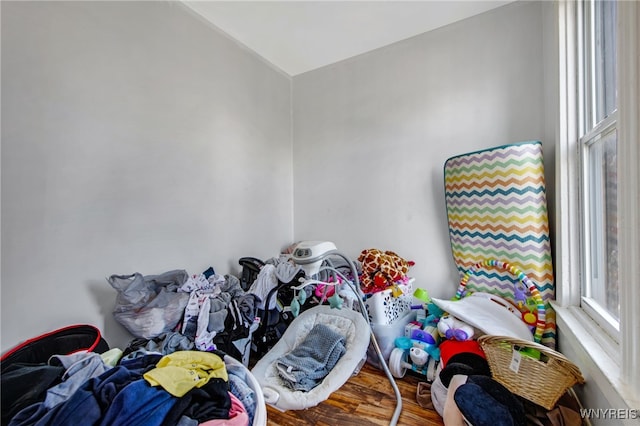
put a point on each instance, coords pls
(382, 269)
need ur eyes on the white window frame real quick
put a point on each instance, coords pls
(594, 131)
(613, 366)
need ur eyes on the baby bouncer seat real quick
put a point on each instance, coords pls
(322, 347)
(347, 322)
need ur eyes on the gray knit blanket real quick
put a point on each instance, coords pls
(315, 356)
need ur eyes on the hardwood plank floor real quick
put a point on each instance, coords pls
(367, 399)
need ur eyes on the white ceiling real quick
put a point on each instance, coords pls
(299, 36)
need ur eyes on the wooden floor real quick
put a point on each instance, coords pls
(367, 399)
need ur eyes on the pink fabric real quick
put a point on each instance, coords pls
(237, 415)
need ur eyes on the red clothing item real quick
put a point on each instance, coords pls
(448, 348)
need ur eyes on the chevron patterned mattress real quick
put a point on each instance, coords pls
(497, 209)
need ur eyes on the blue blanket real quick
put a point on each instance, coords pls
(308, 363)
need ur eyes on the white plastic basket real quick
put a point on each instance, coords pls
(384, 308)
(386, 335)
(260, 416)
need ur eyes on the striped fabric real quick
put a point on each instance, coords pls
(497, 209)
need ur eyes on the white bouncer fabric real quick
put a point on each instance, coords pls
(488, 313)
(347, 322)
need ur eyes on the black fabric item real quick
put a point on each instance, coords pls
(502, 395)
(26, 384)
(274, 323)
(134, 345)
(453, 368)
(466, 364)
(209, 272)
(224, 343)
(475, 361)
(479, 408)
(232, 331)
(84, 406)
(211, 401)
(141, 364)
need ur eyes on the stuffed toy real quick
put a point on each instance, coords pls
(453, 329)
(381, 270)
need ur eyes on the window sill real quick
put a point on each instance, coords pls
(598, 357)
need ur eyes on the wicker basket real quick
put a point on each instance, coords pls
(542, 381)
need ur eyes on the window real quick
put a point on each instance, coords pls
(598, 139)
(597, 253)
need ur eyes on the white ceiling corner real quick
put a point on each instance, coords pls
(299, 36)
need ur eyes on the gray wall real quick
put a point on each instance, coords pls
(372, 133)
(135, 137)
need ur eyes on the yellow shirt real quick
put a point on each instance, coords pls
(182, 371)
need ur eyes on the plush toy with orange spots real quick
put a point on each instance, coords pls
(381, 269)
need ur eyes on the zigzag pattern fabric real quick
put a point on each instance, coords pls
(497, 209)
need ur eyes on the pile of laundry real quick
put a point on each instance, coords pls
(108, 388)
(175, 310)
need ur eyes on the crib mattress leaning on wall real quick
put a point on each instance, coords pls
(497, 209)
